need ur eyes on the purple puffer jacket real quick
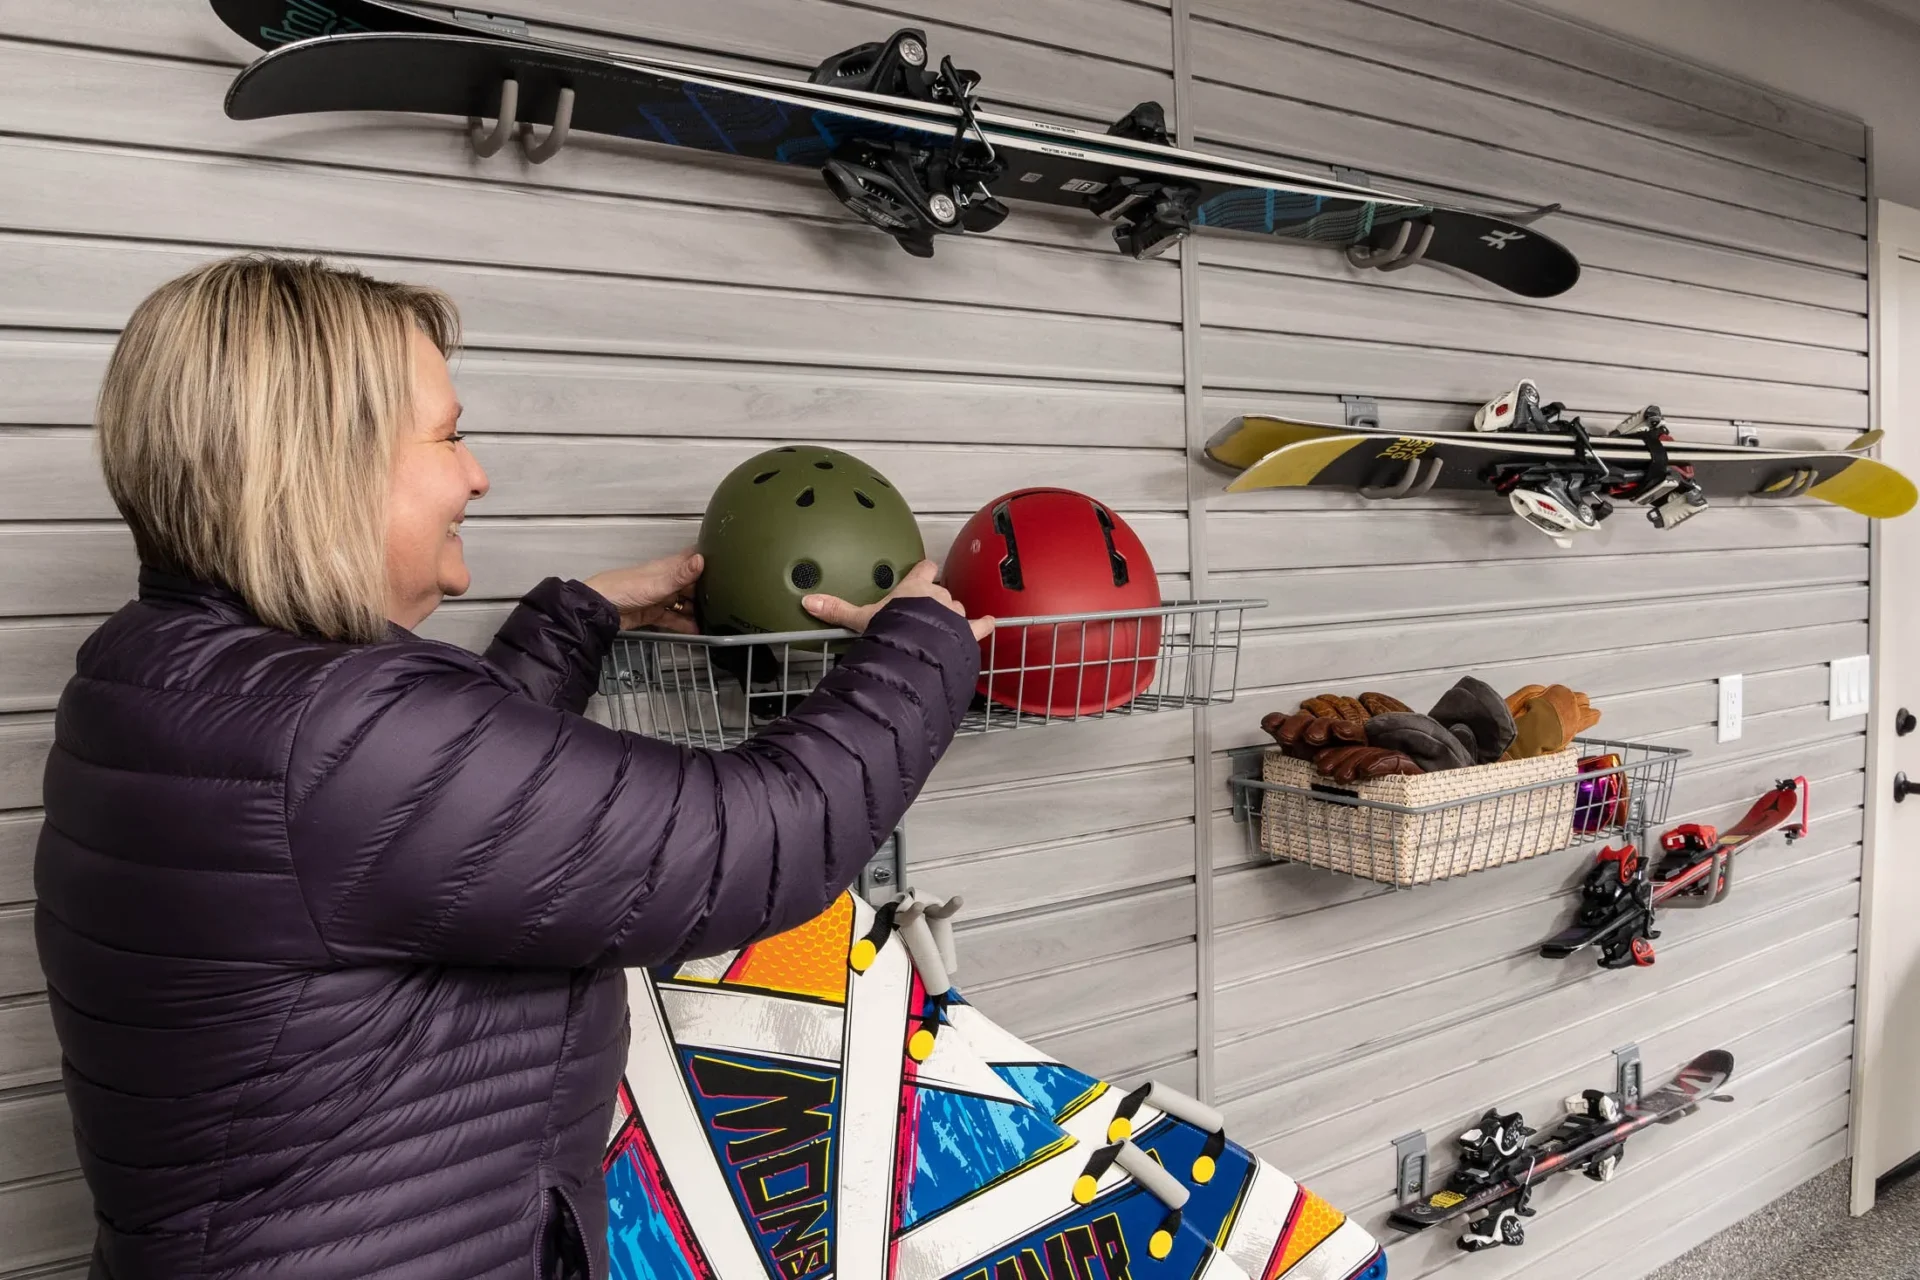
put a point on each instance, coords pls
(334, 934)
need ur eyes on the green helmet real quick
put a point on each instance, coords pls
(794, 521)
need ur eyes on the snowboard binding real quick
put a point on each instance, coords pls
(910, 195)
(897, 67)
(1149, 217)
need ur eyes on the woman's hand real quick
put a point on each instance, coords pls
(655, 596)
(836, 612)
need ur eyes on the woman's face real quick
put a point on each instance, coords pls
(434, 477)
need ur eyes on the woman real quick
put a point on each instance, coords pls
(334, 918)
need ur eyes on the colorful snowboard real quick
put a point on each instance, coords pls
(1131, 177)
(1272, 453)
(800, 1110)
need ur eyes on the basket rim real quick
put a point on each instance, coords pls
(1656, 757)
(1167, 608)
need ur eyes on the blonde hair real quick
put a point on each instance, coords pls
(247, 424)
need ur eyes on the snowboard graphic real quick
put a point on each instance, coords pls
(800, 1109)
(916, 165)
(1274, 453)
(1500, 1168)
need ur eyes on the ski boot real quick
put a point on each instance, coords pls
(896, 67)
(1152, 217)
(1501, 1224)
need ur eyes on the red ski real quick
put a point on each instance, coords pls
(1618, 899)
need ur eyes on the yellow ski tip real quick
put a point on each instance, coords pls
(1865, 440)
(1869, 487)
(1252, 436)
(1294, 465)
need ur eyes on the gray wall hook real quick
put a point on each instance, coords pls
(485, 144)
(547, 148)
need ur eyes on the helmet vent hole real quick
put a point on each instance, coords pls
(882, 482)
(765, 476)
(787, 449)
(824, 466)
(1010, 563)
(805, 499)
(863, 499)
(1116, 561)
(806, 575)
(883, 576)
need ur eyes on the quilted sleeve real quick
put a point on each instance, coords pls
(435, 815)
(553, 641)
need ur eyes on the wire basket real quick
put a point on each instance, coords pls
(717, 691)
(1409, 830)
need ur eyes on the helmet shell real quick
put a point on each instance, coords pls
(1044, 551)
(795, 521)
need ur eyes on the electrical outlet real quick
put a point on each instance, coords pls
(1732, 699)
(1849, 687)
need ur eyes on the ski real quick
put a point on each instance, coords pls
(1500, 1165)
(1146, 178)
(1618, 898)
(1558, 475)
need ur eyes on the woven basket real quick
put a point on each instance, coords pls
(1461, 827)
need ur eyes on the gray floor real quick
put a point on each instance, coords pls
(1807, 1235)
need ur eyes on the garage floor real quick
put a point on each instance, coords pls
(1807, 1235)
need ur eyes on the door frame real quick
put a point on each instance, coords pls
(1894, 233)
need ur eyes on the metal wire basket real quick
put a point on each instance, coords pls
(1404, 831)
(717, 691)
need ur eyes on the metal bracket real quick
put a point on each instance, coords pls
(1361, 411)
(488, 141)
(1745, 433)
(885, 875)
(547, 148)
(1795, 484)
(1401, 253)
(1351, 177)
(505, 26)
(1626, 1074)
(1244, 763)
(1409, 1167)
(1414, 482)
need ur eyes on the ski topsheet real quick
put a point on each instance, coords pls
(1154, 190)
(801, 1109)
(268, 24)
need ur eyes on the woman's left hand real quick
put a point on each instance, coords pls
(655, 596)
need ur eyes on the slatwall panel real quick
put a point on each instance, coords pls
(1722, 236)
(640, 319)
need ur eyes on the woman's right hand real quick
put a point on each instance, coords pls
(836, 612)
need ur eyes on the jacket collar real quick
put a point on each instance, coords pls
(172, 588)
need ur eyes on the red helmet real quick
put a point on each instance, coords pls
(1038, 552)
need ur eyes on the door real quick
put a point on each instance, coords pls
(1886, 1096)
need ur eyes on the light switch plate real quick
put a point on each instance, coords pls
(1849, 687)
(1732, 699)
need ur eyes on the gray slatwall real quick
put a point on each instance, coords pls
(640, 320)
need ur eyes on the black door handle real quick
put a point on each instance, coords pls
(1901, 787)
(1903, 722)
